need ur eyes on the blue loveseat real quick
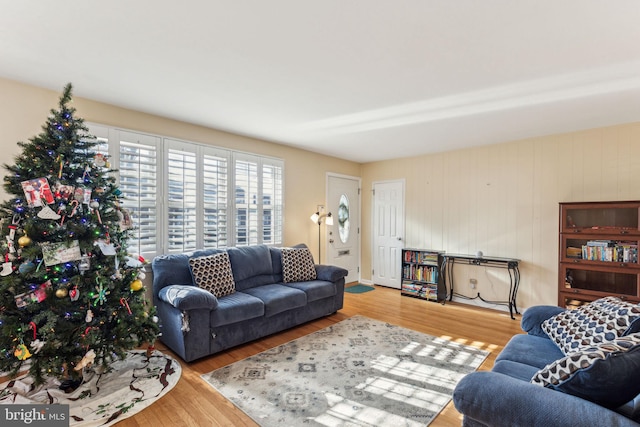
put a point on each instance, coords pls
(507, 396)
(195, 323)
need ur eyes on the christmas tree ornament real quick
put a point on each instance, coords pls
(125, 303)
(26, 267)
(22, 352)
(74, 294)
(10, 246)
(36, 346)
(141, 275)
(48, 213)
(74, 208)
(89, 317)
(99, 160)
(101, 294)
(15, 222)
(24, 241)
(85, 264)
(87, 360)
(61, 292)
(136, 285)
(7, 268)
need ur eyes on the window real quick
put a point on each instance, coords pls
(138, 181)
(184, 196)
(259, 200)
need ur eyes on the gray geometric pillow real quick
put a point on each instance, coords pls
(592, 324)
(297, 265)
(213, 273)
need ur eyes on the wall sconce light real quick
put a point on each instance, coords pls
(317, 217)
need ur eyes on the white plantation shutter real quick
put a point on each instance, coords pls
(197, 195)
(258, 210)
(246, 202)
(138, 173)
(272, 203)
(182, 196)
(215, 197)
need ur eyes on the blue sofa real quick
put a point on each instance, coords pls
(194, 323)
(506, 396)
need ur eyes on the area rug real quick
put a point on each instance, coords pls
(358, 372)
(103, 399)
(359, 289)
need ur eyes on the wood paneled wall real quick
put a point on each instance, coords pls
(503, 200)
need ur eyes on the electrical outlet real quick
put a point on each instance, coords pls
(473, 283)
(320, 208)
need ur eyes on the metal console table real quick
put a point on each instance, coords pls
(510, 264)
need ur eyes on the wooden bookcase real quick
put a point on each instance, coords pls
(422, 275)
(598, 252)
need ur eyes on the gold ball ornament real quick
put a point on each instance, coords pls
(24, 241)
(61, 292)
(136, 285)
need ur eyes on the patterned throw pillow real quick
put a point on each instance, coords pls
(608, 374)
(297, 265)
(592, 324)
(213, 273)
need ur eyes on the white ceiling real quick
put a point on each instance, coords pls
(362, 80)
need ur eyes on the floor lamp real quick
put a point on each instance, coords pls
(317, 218)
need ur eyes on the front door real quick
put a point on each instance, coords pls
(343, 237)
(388, 232)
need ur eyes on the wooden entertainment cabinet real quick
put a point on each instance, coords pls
(598, 252)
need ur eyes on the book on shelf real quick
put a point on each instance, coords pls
(596, 250)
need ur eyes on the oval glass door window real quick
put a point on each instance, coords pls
(343, 218)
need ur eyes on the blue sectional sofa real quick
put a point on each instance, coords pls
(195, 323)
(597, 390)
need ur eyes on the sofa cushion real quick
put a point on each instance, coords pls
(297, 265)
(607, 374)
(213, 273)
(589, 325)
(278, 298)
(236, 307)
(315, 289)
(530, 350)
(251, 266)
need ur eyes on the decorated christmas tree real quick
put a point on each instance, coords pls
(70, 293)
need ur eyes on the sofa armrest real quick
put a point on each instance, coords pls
(330, 273)
(495, 399)
(533, 317)
(188, 297)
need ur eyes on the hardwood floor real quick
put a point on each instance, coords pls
(194, 403)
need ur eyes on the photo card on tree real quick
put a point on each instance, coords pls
(37, 190)
(58, 253)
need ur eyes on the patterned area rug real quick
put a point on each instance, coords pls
(103, 399)
(358, 372)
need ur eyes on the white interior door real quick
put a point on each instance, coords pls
(343, 237)
(388, 232)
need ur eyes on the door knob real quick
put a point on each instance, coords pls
(399, 238)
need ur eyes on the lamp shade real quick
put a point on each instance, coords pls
(315, 217)
(329, 220)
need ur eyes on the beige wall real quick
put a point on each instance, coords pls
(503, 200)
(25, 108)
